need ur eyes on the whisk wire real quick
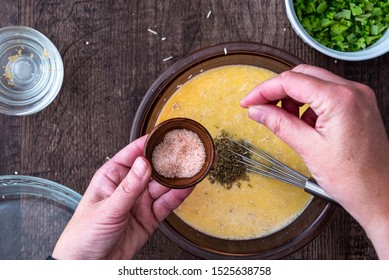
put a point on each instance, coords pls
(272, 160)
(272, 168)
(270, 171)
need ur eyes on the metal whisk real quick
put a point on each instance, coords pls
(272, 168)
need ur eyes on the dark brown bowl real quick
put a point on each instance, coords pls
(156, 136)
(274, 246)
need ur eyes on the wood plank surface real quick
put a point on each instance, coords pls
(111, 59)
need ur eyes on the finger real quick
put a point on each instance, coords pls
(128, 154)
(309, 117)
(156, 189)
(130, 189)
(316, 73)
(319, 73)
(169, 201)
(292, 130)
(112, 173)
(291, 106)
(300, 87)
(255, 97)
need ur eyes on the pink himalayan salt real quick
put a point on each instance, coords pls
(181, 154)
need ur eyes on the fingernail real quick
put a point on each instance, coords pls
(256, 114)
(140, 167)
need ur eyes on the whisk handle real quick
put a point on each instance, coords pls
(313, 188)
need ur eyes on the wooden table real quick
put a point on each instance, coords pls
(111, 59)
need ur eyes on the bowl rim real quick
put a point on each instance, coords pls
(309, 234)
(213, 50)
(11, 185)
(379, 48)
(139, 126)
(40, 202)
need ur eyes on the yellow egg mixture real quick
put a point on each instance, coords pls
(251, 208)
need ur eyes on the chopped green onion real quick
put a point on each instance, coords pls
(345, 25)
(355, 10)
(370, 39)
(322, 7)
(338, 28)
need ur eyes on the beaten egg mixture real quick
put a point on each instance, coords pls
(252, 208)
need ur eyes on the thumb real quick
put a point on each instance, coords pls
(292, 130)
(130, 189)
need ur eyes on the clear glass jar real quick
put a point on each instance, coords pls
(31, 71)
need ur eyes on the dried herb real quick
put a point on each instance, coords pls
(228, 170)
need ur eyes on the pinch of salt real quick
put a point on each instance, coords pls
(152, 31)
(181, 154)
(167, 58)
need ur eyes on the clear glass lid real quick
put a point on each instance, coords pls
(33, 214)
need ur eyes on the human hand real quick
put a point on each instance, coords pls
(341, 138)
(119, 211)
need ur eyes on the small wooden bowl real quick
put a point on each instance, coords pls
(156, 136)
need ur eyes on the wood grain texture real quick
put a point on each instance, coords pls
(110, 61)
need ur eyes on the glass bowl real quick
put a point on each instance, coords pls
(377, 49)
(274, 246)
(31, 71)
(34, 212)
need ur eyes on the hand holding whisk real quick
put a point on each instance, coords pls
(272, 168)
